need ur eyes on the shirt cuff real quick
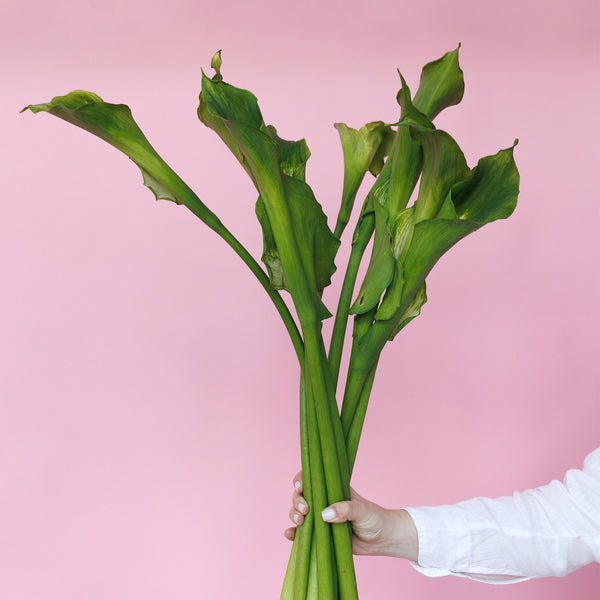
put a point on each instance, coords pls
(446, 546)
(444, 538)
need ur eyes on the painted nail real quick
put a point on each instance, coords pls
(328, 514)
(301, 507)
(297, 485)
(296, 518)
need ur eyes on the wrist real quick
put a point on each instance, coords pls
(400, 538)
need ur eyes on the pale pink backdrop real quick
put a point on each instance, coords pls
(148, 430)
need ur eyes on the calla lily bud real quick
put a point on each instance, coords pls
(215, 64)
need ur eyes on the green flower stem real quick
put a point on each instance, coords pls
(334, 458)
(318, 387)
(307, 303)
(365, 357)
(323, 551)
(312, 593)
(306, 531)
(287, 591)
(342, 532)
(297, 575)
(358, 419)
(380, 332)
(265, 166)
(362, 235)
(356, 379)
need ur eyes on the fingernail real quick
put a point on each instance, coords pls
(297, 485)
(328, 514)
(301, 507)
(296, 518)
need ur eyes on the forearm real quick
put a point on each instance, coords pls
(548, 531)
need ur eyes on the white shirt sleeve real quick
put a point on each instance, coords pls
(547, 531)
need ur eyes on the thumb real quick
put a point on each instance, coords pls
(347, 510)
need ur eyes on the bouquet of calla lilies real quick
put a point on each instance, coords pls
(407, 229)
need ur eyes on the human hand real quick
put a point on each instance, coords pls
(376, 531)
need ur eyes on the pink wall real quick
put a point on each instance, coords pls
(148, 393)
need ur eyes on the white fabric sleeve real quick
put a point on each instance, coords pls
(547, 531)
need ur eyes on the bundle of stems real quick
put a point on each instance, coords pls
(406, 239)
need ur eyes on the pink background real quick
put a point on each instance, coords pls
(148, 392)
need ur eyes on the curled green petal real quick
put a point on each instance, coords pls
(491, 192)
(114, 124)
(364, 150)
(441, 85)
(63, 105)
(220, 101)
